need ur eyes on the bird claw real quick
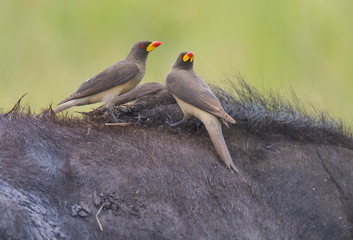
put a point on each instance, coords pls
(176, 124)
(167, 122)
(173, 125)
(112, 115)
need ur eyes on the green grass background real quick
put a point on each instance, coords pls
(48, 48)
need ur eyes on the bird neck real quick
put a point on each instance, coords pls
(183, 67)
(137, 57)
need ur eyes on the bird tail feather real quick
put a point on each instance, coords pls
(64, 106)
(214, 129)
(228, 118)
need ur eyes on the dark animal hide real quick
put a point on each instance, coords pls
(153, 182)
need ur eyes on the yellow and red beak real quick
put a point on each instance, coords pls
(188, 56)
(153, 46)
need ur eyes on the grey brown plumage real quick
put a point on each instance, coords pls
(195, 98)
(139, 91)
(115, 75)
(113, 81)
(191, 88)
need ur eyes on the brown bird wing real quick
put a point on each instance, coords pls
(191, 88)
(115, 75)
(139, 91)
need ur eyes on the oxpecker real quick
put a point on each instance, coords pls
(113, 81)
(195, 98)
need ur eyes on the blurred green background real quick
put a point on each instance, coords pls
(48, 48)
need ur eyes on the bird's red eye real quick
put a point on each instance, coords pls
(181, 55)
(142, 45)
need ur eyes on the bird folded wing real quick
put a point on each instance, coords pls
(115, 75)
(195, 91)
(139, 91)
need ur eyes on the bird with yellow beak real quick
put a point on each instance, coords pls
(120, 78)
(195, 98)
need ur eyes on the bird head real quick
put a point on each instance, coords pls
(141, 49)
(185, 60)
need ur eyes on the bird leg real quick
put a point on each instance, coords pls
(176, 124)
(110, 112)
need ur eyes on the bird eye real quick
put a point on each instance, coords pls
(181, 55)
(142, 45)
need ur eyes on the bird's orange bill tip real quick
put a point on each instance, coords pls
(189, 55)
(156, 43)
(153, 46)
